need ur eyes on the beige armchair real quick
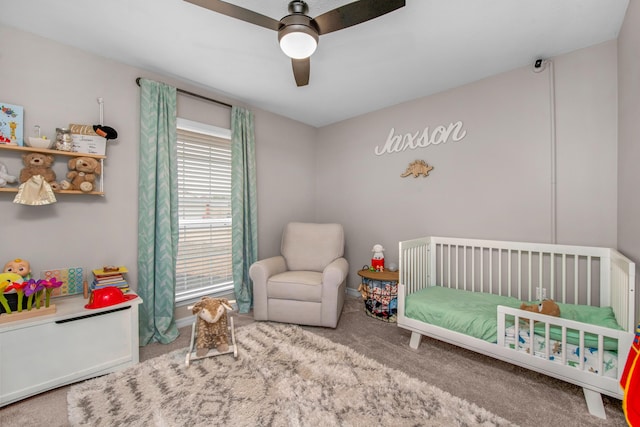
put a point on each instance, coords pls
(306, 284)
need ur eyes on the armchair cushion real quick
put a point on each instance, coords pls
(296, 285)
(311, 247)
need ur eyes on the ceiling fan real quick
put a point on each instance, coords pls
(298, 33)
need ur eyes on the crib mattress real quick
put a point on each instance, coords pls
(475, 314)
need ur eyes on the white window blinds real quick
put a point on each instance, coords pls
(204, 210)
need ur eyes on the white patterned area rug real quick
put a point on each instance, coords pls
(284, 376)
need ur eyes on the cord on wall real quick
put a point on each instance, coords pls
(552, 121)
(538, 66)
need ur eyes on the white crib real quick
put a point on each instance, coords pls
(527, 271)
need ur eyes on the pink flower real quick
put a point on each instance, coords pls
(50, 285)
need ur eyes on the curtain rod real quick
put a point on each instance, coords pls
(195, 95)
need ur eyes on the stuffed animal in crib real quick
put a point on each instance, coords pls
(212, 325)
(547, 306)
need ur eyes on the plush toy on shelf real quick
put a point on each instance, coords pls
(82, 175)
(5, 178)
(38, 164)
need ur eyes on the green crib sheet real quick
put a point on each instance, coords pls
(475, 314)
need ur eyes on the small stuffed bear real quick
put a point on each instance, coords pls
(82, 174)
(38, 164)
(5, 178)
(212, 325)
(547, 306)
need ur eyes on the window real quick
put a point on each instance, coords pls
(204, 211)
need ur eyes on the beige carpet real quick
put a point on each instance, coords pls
(519, 395)
(284, 376)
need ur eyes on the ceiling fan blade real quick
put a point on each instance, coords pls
(355, 13)
(238, 12)
(301, 70)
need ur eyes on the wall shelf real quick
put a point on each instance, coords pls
(49, 151)
(21, 149)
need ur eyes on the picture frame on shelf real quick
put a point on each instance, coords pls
(11, 124)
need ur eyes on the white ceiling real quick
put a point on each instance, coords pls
(424, 48)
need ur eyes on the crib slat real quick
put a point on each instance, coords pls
(449, 266)
(464, 272)
(499, 271)
(552, 275)
(519, 275)
(600, 355)
(581, 349)
(457, 264)
(564, 345)
(481, 269)
(540, 257)
(441, 265)
(547, 341)
(530, 276)
(490, 270)
(473, 269)
(588, 280)
(509, 270)
(564, 277)
(575, 279)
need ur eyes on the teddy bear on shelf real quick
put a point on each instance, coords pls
(38, 164)
(82, 175)
(5, 178)
(212, 325)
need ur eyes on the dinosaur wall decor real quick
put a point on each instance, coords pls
(417, 168)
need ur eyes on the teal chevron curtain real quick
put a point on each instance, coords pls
(157, 212)
(244, 205)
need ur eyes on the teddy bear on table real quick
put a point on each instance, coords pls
(82, 175)
(39, 164)
(212, 325)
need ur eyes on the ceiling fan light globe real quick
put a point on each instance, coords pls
(298, 45)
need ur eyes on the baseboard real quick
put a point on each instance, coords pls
(185, 321)
(353, 292)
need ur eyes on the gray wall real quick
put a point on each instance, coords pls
(58, 85)
(629, 129)
(495, 183)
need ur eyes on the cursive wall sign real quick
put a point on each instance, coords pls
(440, 134)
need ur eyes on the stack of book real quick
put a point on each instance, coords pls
(110, 276)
